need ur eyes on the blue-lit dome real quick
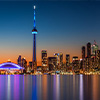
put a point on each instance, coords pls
(10, 65)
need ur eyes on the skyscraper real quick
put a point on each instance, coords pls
(44, 60)
(67, 60)
(88, 58)
(24, 63)
(83, 61)
(44, 57)
(98, 57)
(83, 52)
(19, 60)
(94, 49)
(58, 59)
(34, 33)
(61, 59)
(75, 63)
(89, 50)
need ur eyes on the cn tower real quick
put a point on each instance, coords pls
(34, 33)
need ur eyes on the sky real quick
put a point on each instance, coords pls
(63, 26)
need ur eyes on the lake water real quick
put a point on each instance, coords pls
(46, 87)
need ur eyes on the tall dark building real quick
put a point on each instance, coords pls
(89, 50)
(44, 60)
(98, 56)
(67, 60)
(24, 63)
(83, 52)
(61, 59)
(19, 60)
(34, 32)
(43, 54)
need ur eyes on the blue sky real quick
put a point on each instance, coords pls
(63, 26)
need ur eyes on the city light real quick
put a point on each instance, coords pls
(2, 66)
(34, 6)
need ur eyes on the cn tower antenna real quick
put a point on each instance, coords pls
(34, 7)
(34, 17)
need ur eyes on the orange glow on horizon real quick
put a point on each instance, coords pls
(13, 53)
(14, 58)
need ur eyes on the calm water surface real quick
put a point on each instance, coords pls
(46, 87)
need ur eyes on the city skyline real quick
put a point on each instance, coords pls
(49, 50)
(52, 28)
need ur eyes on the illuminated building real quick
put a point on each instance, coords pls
(98, 54)
(30, 64)
(88, 63)
(89, 50)
(58, 59)
(61, 59)
(29, 67)
(24, 63)
(75, 63)
(88, 58)
(19, 60)
(94, 58)
(52, 63)
(34, 33)
(9, 67)
(83, 61)
(67, 60)
(94, 49)
(39, 69)
(98, 57)
(74, 58)
(83, 52)
(44, 60)
(44, 57)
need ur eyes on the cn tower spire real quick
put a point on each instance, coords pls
(34, 31)
(34, 17)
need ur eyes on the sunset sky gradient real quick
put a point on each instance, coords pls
(63, 26)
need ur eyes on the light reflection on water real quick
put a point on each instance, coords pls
(81, 87)
(46, 87)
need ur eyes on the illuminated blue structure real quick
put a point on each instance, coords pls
(10, 66)
(34, 32)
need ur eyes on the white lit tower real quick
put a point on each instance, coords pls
(34, 33)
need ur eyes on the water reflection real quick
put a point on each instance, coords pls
(44, 87)
(81, 87)
(8, 88)
(96, 87)
(57, 87)
(16, 87)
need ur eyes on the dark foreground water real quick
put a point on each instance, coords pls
(45, 87)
